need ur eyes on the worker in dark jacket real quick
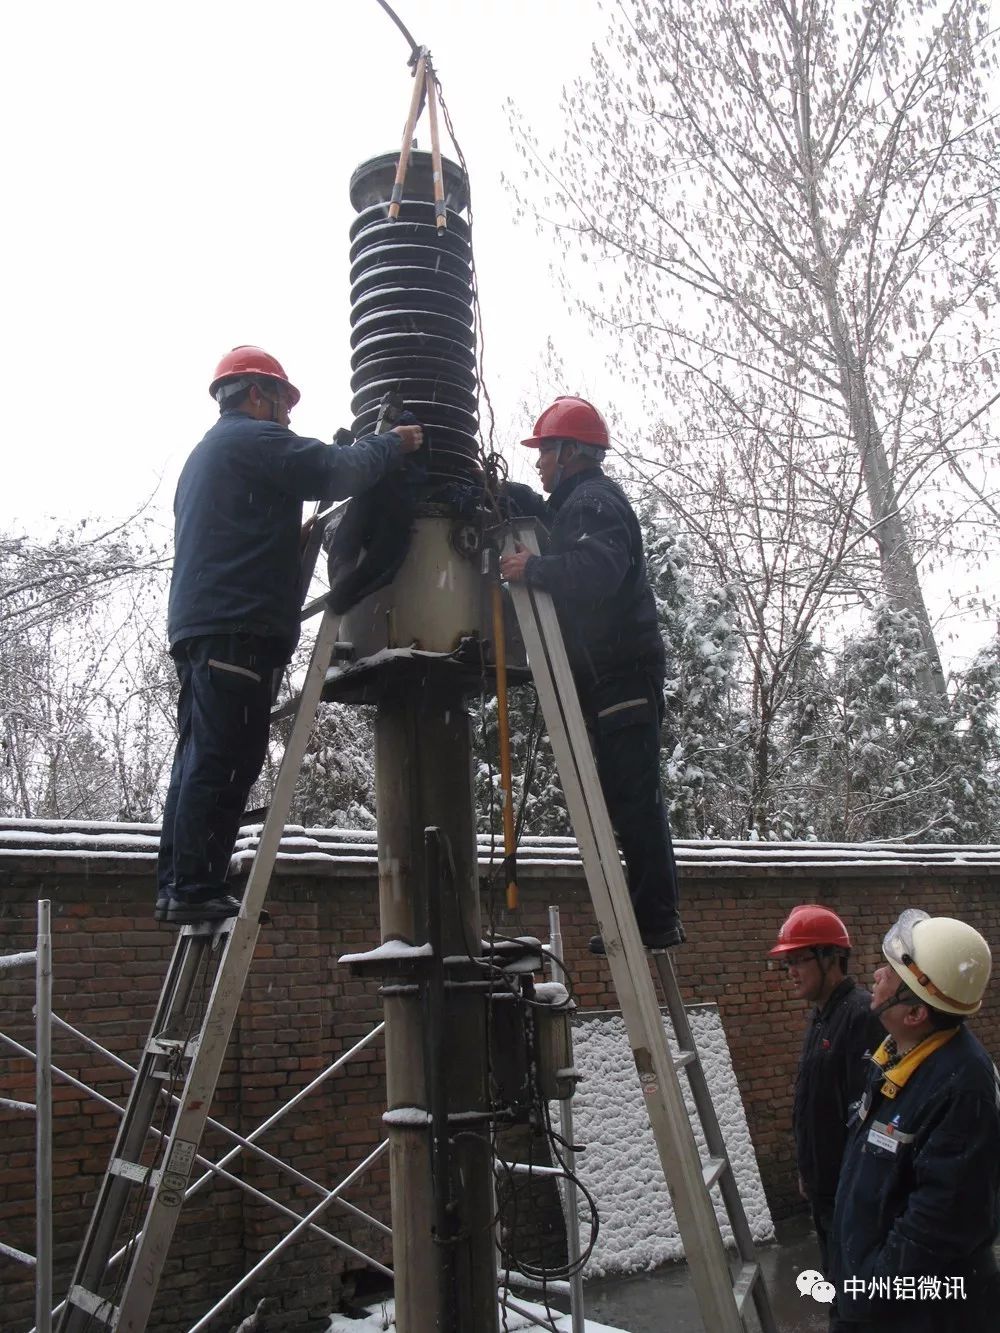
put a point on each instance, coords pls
(233, 615)
(918, 1205)
(595, 569)
(814, 947)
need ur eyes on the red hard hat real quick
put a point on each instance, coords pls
(570, 419)
(248, 360)
(810, 926)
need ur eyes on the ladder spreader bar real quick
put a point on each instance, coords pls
(94, 1305)
(713, 1169)
(118, 1166)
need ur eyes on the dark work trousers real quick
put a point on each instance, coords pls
(822, 1215)
(623, 715)
(223, 722)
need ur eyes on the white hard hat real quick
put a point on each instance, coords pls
(945, 962)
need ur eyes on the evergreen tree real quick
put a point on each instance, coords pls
(704, 728)
(880, 759)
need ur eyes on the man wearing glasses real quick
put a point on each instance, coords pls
(233, 617)
(814, 947)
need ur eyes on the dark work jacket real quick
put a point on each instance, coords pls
(237, 523)
(918, 1194)
(832, 1072)
(595, 569)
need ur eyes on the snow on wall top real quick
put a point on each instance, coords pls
(621, 1167)
(381, 1319)
(356, 848)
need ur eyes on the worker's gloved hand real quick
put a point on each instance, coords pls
(344, 437)
(518, 500)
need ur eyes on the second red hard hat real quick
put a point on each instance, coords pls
(250, 360)
(570, 418)
(810, 926)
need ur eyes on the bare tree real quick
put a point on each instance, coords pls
(803, 194)
(44, 580)
(85, 681)
(774, 520)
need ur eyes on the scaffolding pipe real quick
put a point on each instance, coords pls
(212, 1169)
(305, 1223)
(251, 1139)
(566, 1130)
(43, 1119)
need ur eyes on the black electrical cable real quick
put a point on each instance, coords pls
(414, 48)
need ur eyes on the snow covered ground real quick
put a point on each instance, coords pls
(621, 1167)
(381, 1320)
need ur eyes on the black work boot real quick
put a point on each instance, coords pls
(651, 939)
(182, 912)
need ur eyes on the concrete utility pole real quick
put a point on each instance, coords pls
(441, 1171)
(413, 335)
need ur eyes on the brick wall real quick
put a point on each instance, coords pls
(301, 1010)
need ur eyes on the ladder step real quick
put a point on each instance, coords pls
(313, 608)
(742, 1287)
(287, 709)
(94, 1305)
(685, 1058)
(712, 1170)
(118, 1166)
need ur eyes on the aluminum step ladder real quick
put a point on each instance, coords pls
(139, 1202)
(186, 1044)
(722, 1296)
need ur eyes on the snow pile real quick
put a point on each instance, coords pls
(380, 1320)
(621, 1167)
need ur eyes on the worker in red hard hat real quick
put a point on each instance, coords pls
(595, 569)
(814, 948)
(918, 1202)
(235, 600)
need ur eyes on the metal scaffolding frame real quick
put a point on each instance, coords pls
(41, 1261)
(46, 1021)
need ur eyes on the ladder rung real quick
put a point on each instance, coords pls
(94, 1305)
(685, 1058)
(287, 709)
(207, 930)
(712, 1170)
(742, 1287)
(118, 1166)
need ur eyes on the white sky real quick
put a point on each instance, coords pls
(176, 182)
